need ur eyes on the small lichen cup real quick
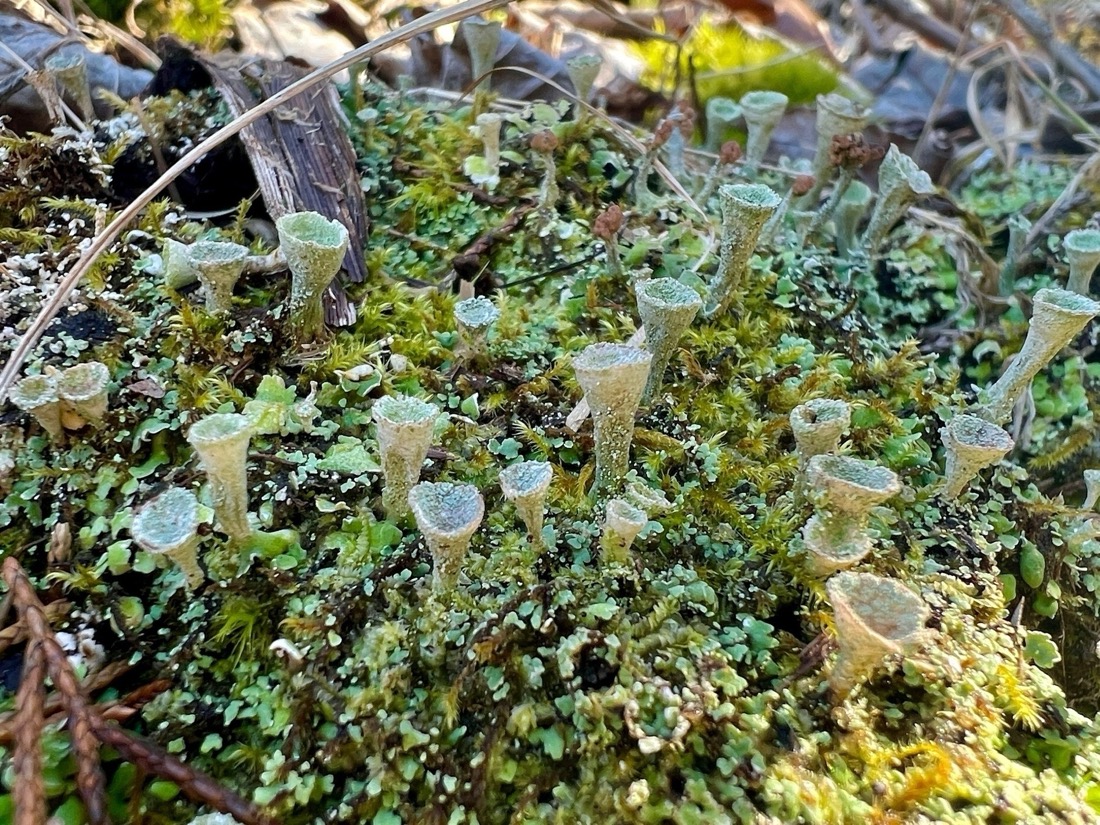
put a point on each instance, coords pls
(972, 444)
(82, 389)
(844, 491)
(474, 317)
(484, 169)
(168, 526)
(1058, 315)
(667, 308)
(745, 209)
(70, 70)
(314, 248)
(900, 183)
(1092, 489)
(37, 395)
(583, 69)
(176, 262)
(448, 515)
(221, 442)
(405, 429)
(482, 41)
(722, 113)
(1082, 248)
(762, 111)
(623, 522)
(526, 484)
(849, 213)
(613, 377)
(874, 617)
(218, 265)
(818, 426)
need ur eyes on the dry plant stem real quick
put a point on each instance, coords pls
(1057, 47)
(102, 241)
(29, 792)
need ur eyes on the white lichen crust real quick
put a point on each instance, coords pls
(527, 484)
(874, 617)
(1058, 315)
(667, 308)
(613, 377)
(448, 515)
(844, 491)
(405, 428)
(972, 443)
(168, 525)
(745, 209)
(221, 442)
(762, 111)
(314, 248)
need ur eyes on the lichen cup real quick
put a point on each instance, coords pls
(875, 617)
(722, 113)
(82, 389)
(1058, 315)
(1092, 489)
(836, 115)
(844, 491)
(527, 484)
(168, 526)
(613, 377)
(818, 426)
(745, 209)
(314, 248)
(218, 265)
(482, 41)
(1082, 248)
(37, 395)
(448, 515)
(583, 69)
(972, 443)
(405, 429)
(667, 308)
(762, 111)
(623, 522)
(900, 183)
(474, 317)
(221, 442)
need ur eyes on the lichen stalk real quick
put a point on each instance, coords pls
(1058, 315)
(667, 309)
(762, 111)
(874, 617)
(484, 170)
(448, 515)
(900, 183)
(405, 428)
(972, 444)
(1018, 226)
(836, 115)
(745, 209)
(314, 248)
(850, 209)
(221, 442)
(1092, 489)
(613, 377)
(1082, 248)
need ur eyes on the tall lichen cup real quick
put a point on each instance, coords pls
(1058, 315)
(613, 377)
(37, 395)
(526, 484)
(1082, 248)
(474, 318)
(667, 308)
(583, 69)
(482, 41)
(972, 443)
(623, 522)
(314, 248)
(875, 617)
(218, 265)
(405, 427)
(844, 491)
(82, 389)
(762, 112)
(168, 526)
(836, 115)
(722, 113)
(221, 442)
(70, 70)
(745, 209)
(448, 515)
(900, 183)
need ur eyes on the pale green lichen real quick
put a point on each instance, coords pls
(474, 318)
(69, 70)
(448, 515)
(405, 428)
(1092, 489)
(527, 484)
(667, 309)
(314, 248)
(221, 443)
(762, 111)
(900, 183)
(745, 209)
(1082, 248)
(622, 523)
(849, 213)
(37, 395)
(818, 426)
(836, 116)
(583, 69)
(168, 525)
(722, 113)
(484, 170)
(482, 41)
(972, 444)
(218, 266)
(82, 389)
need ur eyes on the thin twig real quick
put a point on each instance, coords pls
(1046, 39)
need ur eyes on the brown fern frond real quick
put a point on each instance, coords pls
(29, 792)
(196, 785)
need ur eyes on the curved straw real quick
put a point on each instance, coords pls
(111, 232)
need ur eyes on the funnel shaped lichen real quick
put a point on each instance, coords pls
(745, 209)
(484, 170)
(849, 213)
(405, 427)
(667, 308)
(526, 484)
(221, 442)
(448, 515)
(722, 113)
(762, 112)
(1058, 315)
(844, 491)
(474, 317)
(622, 523)
(168, 525)
(314, 248)
(818, 426)
(37, 395)
(176, 263)
(70, 70)
(583, 69)
(613, 377)
(218, 265)
(874, 617)
(83, 392)
(972, 444)
(836, 115)
(1082, 248)
(482, 41)
(900, 183)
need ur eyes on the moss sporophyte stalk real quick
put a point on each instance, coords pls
(697, 512)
